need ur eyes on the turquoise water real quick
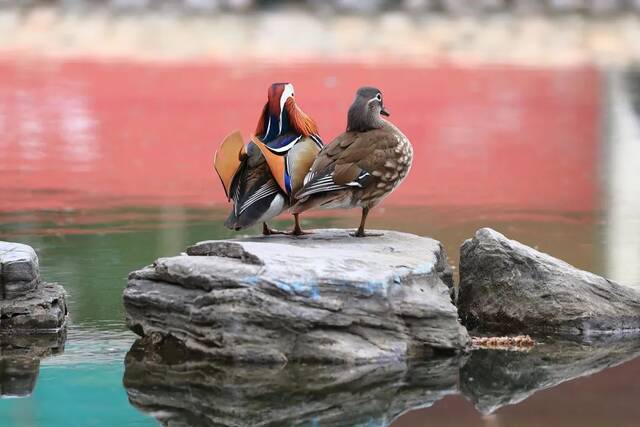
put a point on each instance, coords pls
(83, 394)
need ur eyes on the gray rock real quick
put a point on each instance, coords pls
(224, 249)
(492, 379)
(325, 297)
(181, 391)
(507, 287)
(27, 305)
(43, 310)
(19, 270)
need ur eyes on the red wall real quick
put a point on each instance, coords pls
(78, 134)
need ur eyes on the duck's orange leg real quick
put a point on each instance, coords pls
(297, 230)
(360, 232)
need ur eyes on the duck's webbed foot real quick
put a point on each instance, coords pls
(360, 231)
(297, 230)
(266, 231)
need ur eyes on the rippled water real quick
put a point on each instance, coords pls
(106, 174)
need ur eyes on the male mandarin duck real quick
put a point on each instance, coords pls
(360, 167)
(262, 176)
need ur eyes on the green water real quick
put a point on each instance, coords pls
(91, 252)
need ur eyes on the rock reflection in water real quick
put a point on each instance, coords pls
(493, 379)
(181, 391)
(20, 361)
(178, 390)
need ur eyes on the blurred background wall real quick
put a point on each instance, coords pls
(530, 32)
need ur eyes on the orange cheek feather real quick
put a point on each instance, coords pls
(302, 123)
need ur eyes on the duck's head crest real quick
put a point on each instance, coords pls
(281, 114)
(364, 113)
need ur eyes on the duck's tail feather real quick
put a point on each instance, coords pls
(263, 209)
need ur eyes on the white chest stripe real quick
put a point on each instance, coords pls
(286, 147)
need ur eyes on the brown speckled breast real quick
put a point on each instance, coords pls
(395, 168)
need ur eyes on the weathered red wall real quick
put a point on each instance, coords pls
(82, 133)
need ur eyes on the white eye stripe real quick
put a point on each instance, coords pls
(286, 93)
(378, 98)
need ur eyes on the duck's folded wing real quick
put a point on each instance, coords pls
(353, 160)
(253, 185)
(253, 200)
(228, 158)
(298, 162)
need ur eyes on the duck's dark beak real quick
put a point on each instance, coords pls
(384, 112)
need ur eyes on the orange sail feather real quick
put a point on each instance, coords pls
(276, 163)
(228, 158)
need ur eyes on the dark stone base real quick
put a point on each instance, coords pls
(42, 310)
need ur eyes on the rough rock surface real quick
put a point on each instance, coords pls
(187, 392)
(507, 287)
(19, 270)
(27, 305)
(492, 379)
(324, 297)
(42, 310)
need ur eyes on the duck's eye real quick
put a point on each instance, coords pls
(379, 97)
(293, 94)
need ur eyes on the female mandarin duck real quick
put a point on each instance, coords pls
(360, 167)
(262, 176)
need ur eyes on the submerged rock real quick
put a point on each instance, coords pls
(201, 392)
(325, 297)
(27, 305)
(508, 287)
(492, 379)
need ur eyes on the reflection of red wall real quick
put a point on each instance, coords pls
(524, 139)
(607, 398)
